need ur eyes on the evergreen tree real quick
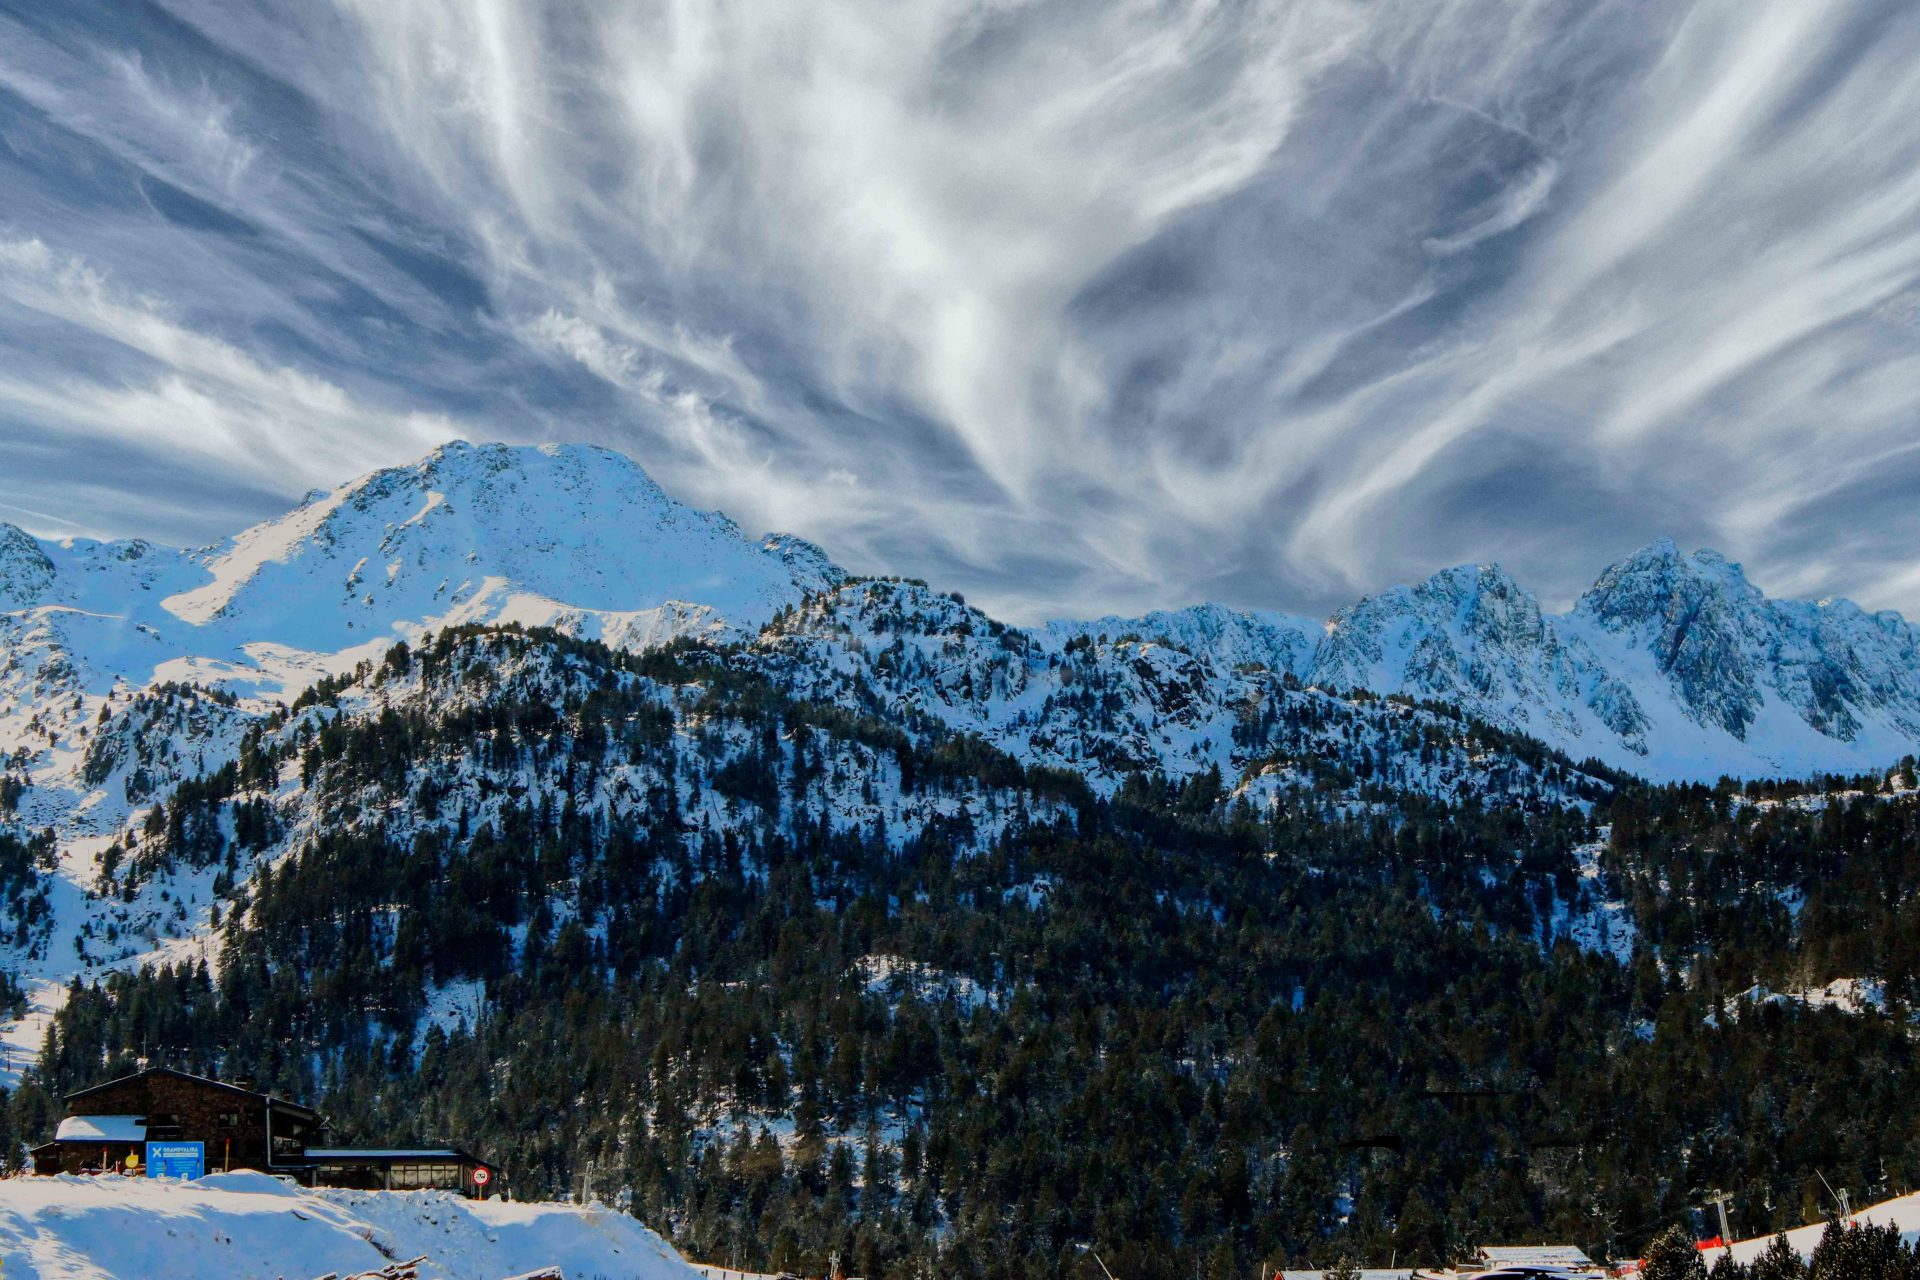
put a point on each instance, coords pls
(1673, 1256)
(1020, 1013)
(1779, 1261)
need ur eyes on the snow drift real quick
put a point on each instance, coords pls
(248, 1226)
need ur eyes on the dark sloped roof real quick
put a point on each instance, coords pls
(279, 1104)
(329, 1154)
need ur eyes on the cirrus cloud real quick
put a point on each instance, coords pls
(1076, 306)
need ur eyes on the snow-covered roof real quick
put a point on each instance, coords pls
(1552, 1255)
(102, 1129)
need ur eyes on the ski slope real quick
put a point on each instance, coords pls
(1902, 1213)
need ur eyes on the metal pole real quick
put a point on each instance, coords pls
(1087, 1248)
(1839, 1196)
(1719, 1201)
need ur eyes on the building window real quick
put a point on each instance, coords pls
(426, 1177)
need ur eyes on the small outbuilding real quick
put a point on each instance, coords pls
(403, 1169)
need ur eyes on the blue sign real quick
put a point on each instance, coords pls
(176, 1159)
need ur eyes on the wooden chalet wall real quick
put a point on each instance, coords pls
(232, 1123)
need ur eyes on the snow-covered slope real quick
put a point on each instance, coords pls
(1283, 642)
(1901, 1213)
(248, 1226)
(1672, 666)
(561, 534)
(573, 537)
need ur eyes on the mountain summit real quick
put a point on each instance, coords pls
(572, 536)
(557, 534)
(1672, 665)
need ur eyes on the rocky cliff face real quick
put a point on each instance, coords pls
(26, 573)
(1671, 665)
(1707, 630)
(1281, 642)
(1793, 682)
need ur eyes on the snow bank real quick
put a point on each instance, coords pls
(247, 1226)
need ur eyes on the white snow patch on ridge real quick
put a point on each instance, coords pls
(897, 978)
(1595, 920)
(1849, 995)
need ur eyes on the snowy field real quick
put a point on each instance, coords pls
(248, 1226)
(1902, 1213)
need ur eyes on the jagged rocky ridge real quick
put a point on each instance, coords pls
(1671, 666)
(142, 686)
(131, 670)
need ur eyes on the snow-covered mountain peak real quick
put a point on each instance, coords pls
(1486, 600)
(535, 535)
(1231, 637)
(567, 536)
(810, 565)
(1660, 582)
(1444, 637)
(1708, 630)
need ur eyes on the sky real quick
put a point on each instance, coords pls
(1078, 306)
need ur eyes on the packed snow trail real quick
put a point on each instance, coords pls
(1902, 1213)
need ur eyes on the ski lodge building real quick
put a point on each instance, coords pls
(233, 1126)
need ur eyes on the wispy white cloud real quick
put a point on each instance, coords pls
(1077, 305)
(201, 398)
